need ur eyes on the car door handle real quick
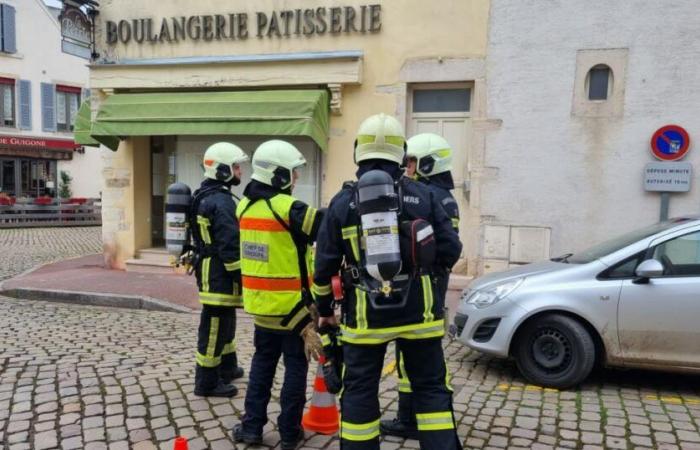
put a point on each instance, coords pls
(605, 298)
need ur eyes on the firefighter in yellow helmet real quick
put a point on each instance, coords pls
(406, 307)
(429, 161)
(217, 268)
(277, 231)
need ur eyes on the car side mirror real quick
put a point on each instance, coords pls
(651, 268)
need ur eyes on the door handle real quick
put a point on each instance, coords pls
(605, 298)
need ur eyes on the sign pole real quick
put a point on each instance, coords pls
(665, 200)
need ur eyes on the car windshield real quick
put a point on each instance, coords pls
(620, 242)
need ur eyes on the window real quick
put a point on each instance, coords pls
(624, 269)
(680, 256)
(7, 102)
(599, 82)
(441, 100)
(67, 104)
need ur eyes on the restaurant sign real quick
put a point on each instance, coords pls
(35, 142)
(239, 26)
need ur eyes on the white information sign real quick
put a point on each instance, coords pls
(668, 176)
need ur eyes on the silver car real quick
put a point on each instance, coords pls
(632, 301)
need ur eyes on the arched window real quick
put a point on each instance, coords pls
(599, 82)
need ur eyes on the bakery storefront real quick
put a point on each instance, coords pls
(28, 165)
(169, 82)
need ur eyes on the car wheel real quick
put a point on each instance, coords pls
(554, 351)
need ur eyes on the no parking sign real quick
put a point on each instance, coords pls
(670, 143)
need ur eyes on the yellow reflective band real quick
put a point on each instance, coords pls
(214, 299)
(213, 332)
(206, 262)
(321, 289)
(371, 139)
(359, 431)
(309, 218)
(404, 383)
(455, 222)
(274, 323)
(204, 229)
(443, 153)
(427, 330)
(361, 309)
(435, 421)
(230, 267)
(207, 361)
(392, 229)
(325, 340)
(229, 348)
(349, 232)
(427, 298)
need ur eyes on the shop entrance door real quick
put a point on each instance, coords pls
(8, 177)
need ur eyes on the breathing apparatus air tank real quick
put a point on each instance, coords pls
(378, 206)
(177, 211)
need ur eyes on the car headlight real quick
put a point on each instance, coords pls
(492, 294)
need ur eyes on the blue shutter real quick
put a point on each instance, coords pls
(48, 107)
(9, 44)
(85, 95)
(25, 105)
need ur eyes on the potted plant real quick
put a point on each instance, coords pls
(64, 190)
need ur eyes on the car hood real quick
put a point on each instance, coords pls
(518, 272)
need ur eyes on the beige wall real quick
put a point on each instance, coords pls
(419, 41)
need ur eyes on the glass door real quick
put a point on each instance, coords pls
(7, 177)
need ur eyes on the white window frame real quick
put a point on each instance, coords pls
(14, 106)
(440, 115)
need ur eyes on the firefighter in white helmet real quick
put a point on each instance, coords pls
(277, 232)
(215, 237)
(407, 309)
(429, 161)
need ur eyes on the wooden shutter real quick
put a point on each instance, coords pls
(48, 107)
(25, 104)
(9, 43)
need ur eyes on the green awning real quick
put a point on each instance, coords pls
(81, 130)
(275, 113)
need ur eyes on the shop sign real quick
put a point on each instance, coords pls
(668, 176)
(76, 31)
(32, 142)
(304, 22)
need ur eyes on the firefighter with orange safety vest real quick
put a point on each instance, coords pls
(277, 231)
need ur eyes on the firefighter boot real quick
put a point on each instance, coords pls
(207, 384)
(230, 370)
(404, 424)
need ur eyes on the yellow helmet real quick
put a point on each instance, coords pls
(274, 161)
(432, 152)
(219, 160)
(380, 137)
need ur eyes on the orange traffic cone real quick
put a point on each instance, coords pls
(322, 416)
(180, 444)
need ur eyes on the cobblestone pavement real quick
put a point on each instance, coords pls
(24, 248)
(87, 377)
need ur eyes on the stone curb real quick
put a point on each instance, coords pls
(96, 299)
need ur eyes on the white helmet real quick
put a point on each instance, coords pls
(380, 137)
(219, 160)
(274, 161)
(432, 152)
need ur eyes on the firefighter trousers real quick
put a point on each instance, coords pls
(269, 347)
(216, 346)
(432, 397)
(405, 414)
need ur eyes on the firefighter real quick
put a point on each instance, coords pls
(217, 267)
(429, 160)
(277, 231)
(417, 326)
